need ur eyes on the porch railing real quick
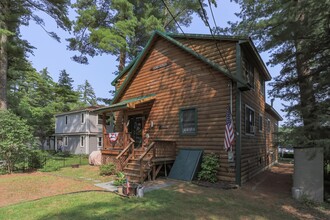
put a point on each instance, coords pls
(127, 151)
(119, 143)
(160, 150)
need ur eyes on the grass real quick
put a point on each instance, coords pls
(85, 172)
(55, 163)
(187, 202)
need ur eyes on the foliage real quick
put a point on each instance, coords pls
(209, 168)
(296, 33)
(107, 169)
(120, 179)
(87, 94)
(37, 159)
(66, 96)
(13, 49)
(16, 140)
(122, 27)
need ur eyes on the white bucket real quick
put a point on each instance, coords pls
(140, 191)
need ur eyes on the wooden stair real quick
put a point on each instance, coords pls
(133, 170)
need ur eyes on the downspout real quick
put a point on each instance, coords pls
(238, 115)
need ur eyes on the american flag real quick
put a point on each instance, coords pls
(229, 131)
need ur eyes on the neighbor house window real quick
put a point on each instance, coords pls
(99, 141)
(82, 141)
(249, 72)
(82, 118)
(249, 120)
(260, 123)
(188, 121)
(66, 141)
(66, 119)
(268, 125)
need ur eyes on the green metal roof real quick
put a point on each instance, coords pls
(124, 71)
(144, 53)
(129, 103)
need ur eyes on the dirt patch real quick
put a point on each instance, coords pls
(17, 188)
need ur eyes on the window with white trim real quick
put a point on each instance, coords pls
(249, 120)
(262, 86)
(65, 141)
(82, 141)
(260, 123)
(66, 119)
(99, 141)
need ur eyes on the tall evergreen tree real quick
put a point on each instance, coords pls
(87, 94)
(13, 14)
(65, 94)
(297, 34)
(122, 27)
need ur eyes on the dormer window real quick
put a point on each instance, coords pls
(248, 71)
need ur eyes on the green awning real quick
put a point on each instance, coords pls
(126, 104)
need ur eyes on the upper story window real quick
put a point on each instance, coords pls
(260, 123)
(82, 118)
(268, 125)
(188, 121)
(262, 85)
(66, 119)
(99, 141)
(249, 120)
(248, 71)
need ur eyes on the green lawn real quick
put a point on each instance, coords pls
(54, 163)
(188, 202)
(85, 172)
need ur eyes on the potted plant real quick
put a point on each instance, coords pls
(119, 181)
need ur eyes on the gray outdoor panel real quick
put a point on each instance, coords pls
(185, 165)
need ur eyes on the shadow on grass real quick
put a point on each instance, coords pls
(170, 204)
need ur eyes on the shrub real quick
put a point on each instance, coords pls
(209, 167)
(107, 169)
(37, 159)
(120, 179)
(16, 140)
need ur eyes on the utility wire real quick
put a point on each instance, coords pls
(208, 24)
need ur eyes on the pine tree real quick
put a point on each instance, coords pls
(297, 34)
(122, 27)
(13, 14)
(66, 96)
(87, 94)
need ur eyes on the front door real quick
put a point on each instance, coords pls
(135, 128)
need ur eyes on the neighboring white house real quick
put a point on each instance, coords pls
(79, 131)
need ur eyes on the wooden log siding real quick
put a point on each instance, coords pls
(253, 147)
(186, 82)
(208, 49)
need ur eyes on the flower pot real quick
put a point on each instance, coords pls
(120, 190)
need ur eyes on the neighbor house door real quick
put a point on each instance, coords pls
(135, 127)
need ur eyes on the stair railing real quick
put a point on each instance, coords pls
(149, 148)
(129, 149)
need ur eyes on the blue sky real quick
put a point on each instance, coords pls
(98, 72)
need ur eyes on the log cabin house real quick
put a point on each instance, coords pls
(175, 95)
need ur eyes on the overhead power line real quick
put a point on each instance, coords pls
(208, 24)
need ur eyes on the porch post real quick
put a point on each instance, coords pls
(104, 131)
(125, 129)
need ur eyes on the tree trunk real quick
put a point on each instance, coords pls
(3, 59)
(122, 60)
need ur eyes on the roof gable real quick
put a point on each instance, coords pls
(133, 67)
